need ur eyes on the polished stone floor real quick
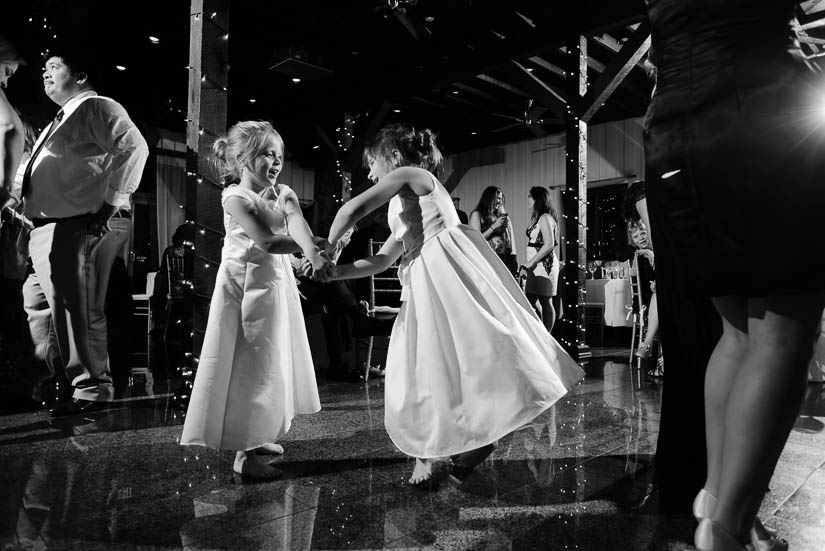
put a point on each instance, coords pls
(568, 481)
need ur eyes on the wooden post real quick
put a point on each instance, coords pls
(575, 201)
(205, 120)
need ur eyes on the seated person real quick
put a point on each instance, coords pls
(335, 301)
(637, 234)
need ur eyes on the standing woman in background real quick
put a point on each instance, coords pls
(542, 266)
(492, 220)
(733, 128)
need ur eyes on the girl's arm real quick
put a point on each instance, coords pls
(548, 245)
(247, 216)
(299, 230)
(355, 209)
(389, 253)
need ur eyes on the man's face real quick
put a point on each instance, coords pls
(58, 81)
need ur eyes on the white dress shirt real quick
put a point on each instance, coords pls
(95, 154)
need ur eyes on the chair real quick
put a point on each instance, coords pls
(637, 309)
(594, 307)
(140, 360)
(383, 287)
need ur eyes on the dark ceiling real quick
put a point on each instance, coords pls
(479, 72)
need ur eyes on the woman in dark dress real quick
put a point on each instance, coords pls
(731, 134)
(492, 220)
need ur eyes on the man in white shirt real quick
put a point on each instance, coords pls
(77, 187)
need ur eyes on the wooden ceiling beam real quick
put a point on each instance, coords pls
(540, 91)
(616, 71)
(590, 16)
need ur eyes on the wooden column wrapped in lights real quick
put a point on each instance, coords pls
(575, 200)
(206, 119)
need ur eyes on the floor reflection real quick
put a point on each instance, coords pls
(569, 480)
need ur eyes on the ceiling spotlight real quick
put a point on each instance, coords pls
(529, 69)
(396, 110)
(473, 133)
(296, 80)
(252, 100)
(314, 147)
(429, 19)
(120, 67)
(154, 39)
(455, 91)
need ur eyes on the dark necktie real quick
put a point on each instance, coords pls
(27, 175)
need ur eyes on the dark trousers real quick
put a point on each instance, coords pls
(335, 302)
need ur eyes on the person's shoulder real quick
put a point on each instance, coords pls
(103, 105)
(235, 190)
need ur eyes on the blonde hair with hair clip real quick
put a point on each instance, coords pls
(244, 141)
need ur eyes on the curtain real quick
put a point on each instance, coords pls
(171, 195)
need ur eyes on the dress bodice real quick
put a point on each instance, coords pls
(270, 209)
(414, 219)
(701, 45)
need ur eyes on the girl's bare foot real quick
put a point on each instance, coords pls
(248, 464)
(270, 449)
(422, 472)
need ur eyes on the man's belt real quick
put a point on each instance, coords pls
(40, 222)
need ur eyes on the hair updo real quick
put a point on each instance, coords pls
(244, 141)
(415, 148)
(8, 53)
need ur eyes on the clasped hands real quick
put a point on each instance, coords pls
(323, 269)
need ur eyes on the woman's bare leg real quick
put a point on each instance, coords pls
(763, 402)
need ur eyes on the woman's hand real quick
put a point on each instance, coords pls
(648, 254)
(500, 221)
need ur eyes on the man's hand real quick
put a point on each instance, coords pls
(99, 224)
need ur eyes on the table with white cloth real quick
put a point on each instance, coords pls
(617, 299)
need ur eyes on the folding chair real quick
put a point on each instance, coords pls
(637, 310)
(384, 295)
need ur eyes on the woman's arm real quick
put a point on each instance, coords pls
(389, 253)
(247, 216)
(641, 208)
(355, 209)
(475, 223)
(546, 227)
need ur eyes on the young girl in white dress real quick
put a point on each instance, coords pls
(469, 361)
(255, 371)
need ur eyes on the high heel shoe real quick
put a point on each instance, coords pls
(705, 503)
(710, 536)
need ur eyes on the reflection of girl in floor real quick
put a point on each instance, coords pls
(469, 361)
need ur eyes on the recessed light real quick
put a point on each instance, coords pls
(429, 19)
(473, 133)
(296, 80)
(314, 147)
(120, 67)
(455, 91)
(252, 100)
(154, 39)
(529, 69)
(396, 110)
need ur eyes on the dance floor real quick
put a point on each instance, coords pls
(569, 481)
